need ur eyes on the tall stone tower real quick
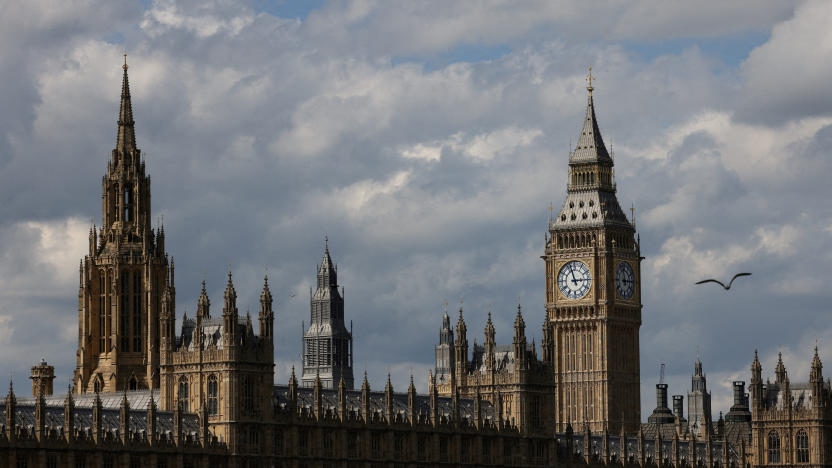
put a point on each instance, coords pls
(327, 345)
(699, 403)
(123, 275)
(593, 294)
(445, 352)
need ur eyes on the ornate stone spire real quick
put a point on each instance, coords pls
(756, 369)
(590, 147)
(203, 304)
(461, 328)
(816, 373)
(327, 276)
(126, 139)
(230, 293)
(446, 334)
(780, 370)
(489, 331)
(266, 295)
(266, 315)
(519, 323)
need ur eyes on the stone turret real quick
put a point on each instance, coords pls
(40, 417)
(97, 413)
(388, 401)
(816, 381)
(124, 418)
(411, 402)
(699, 403)
(780, 371)
(42, 376)
(444, 351)
(69, 416)
(520, 340)
(756, 386)
(342, 399)
(547, 344)
(266, 315)
(230, 314)
(490, 344)
(460, 351)
(365, 399)
(151, 420)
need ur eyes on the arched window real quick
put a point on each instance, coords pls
(133, 384)
(137, 315)
(773, 447)
(213, 393)
(96, 386)
(125, 312)
(248, 395)
(102, 313)
(802, 446)
(128, 205)
(183, 393)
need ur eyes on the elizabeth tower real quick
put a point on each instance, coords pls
(593, 294)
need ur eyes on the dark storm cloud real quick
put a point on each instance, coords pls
(262, 134)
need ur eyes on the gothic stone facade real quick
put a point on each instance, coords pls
(123, 276)
(511, 378)
(593, 294)
(791, 423)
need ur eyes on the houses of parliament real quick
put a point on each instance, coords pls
(148, 393)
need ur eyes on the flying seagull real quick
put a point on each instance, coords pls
(710, 280)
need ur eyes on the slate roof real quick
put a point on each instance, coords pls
(504, 357)
(212, 331)
(590, 147)
(137, 399)
(801, 395)
(596, 446)
(590, 207)
(110, 417)
(329, 401)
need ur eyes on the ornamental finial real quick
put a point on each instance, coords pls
(125, 62)
(589, 79)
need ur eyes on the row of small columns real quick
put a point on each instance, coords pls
(389, 416)
(641, 456)
(125, 435)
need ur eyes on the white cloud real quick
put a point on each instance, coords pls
(202, 21)
(41, 257)
(481, 147)
(787, 77)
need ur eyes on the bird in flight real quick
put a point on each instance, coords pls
(711, 280)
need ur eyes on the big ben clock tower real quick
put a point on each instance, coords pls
(593, 294)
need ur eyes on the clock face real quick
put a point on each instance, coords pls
(625, 280)
(574, 279)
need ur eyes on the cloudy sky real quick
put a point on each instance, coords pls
(428, 139)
